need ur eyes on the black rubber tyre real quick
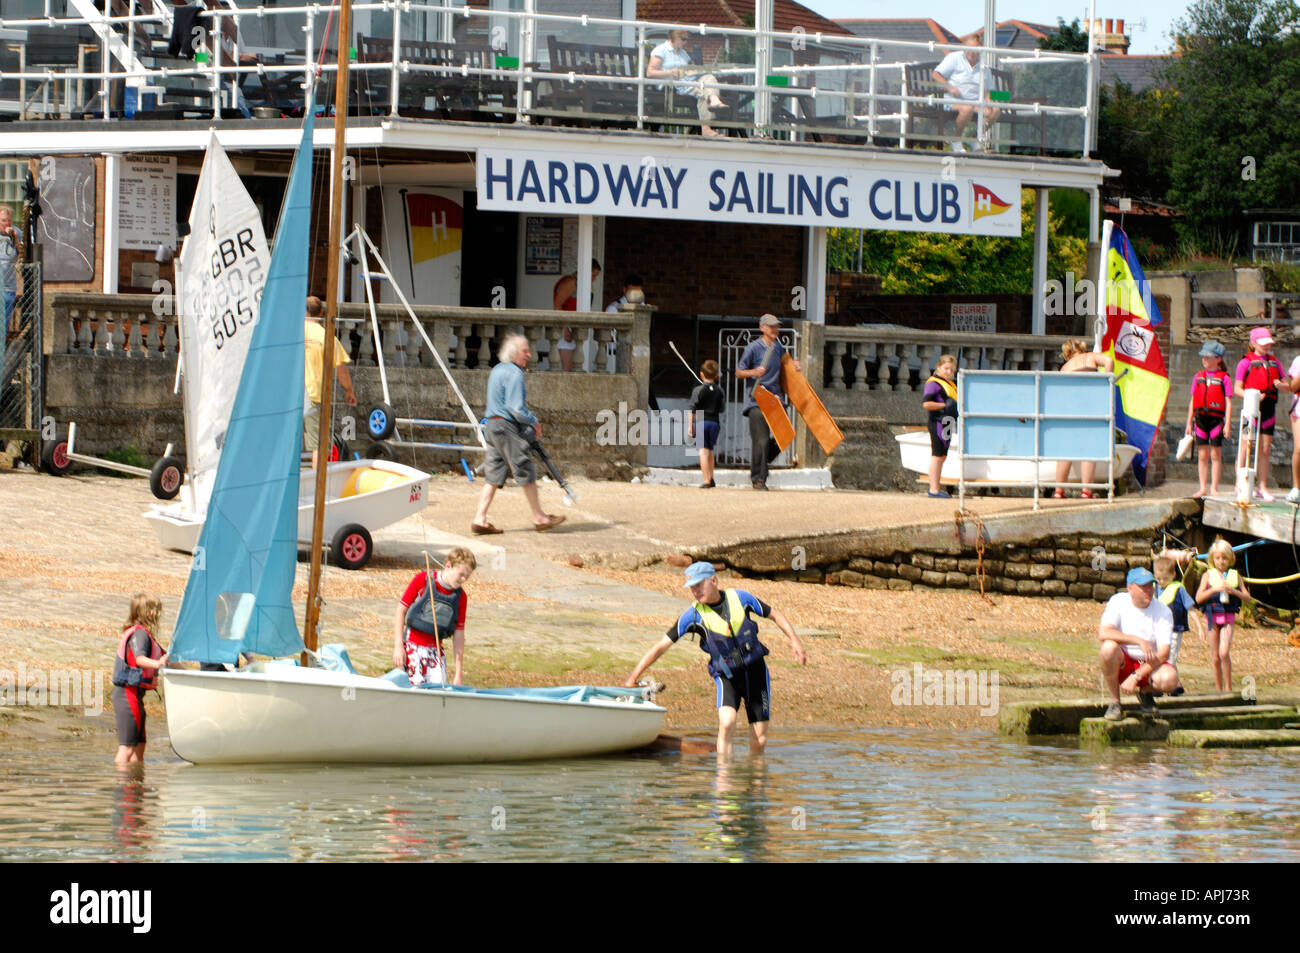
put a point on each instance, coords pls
(380, 422)
(165, 478)
(54, 456)
(379, 450)
(352, 546)
(340, 450)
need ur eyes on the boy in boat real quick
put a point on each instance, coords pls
(428, 612)
(720, 619)
(940, 401)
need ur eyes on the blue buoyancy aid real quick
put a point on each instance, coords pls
(436, 615)
(1169, 596)
(128, 674)
(732, 643)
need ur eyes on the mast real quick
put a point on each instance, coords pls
(331, 313)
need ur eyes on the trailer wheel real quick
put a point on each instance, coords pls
(339, 450)
(54, 456)
(165, 478)
(379, 450)
(381, 421)
(352, 546)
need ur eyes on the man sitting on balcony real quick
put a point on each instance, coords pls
(959, 71)
(670, 60)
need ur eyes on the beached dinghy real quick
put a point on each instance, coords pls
(238, 597)
(914, 450)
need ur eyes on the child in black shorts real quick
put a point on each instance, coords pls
(708, 401)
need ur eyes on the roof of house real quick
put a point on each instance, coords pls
(786, 14)
(911, 31)
(1018, 34)
(1137, 72)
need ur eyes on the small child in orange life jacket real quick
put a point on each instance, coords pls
(1209, 415)
(1220, 594)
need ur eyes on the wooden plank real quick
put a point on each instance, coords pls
(1263, 520)
(774, 413)
(820, 423)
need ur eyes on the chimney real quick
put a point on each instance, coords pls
(1110, 27)
(1119, 27)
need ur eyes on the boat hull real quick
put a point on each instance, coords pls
(285, 714)
(177, 526)
(914, 450)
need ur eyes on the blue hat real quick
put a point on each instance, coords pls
(1140, 577)
(698, 572)
(1211, 349)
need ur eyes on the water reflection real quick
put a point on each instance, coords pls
(867, 795)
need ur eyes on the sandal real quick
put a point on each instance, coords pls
(550, 522)
(1087, 495)
(1059, 494)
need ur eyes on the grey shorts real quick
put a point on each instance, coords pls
(507, 453)
(311, 428)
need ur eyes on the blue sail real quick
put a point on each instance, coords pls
(239, 594)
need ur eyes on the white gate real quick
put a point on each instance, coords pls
(733, 441)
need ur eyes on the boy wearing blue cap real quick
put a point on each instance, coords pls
(1136, 634)
(720, 619)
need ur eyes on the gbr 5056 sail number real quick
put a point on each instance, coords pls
(230, 284)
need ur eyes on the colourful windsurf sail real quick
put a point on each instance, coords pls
(1141, 378)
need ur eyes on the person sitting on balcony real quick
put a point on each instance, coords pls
(959, 71)
(668, 59)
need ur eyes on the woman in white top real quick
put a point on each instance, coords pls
(669, 60)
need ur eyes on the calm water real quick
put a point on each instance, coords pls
(863, 795)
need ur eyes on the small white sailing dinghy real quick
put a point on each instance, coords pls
(238, 599)
(221, 273)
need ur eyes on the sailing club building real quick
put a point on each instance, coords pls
(492, 147)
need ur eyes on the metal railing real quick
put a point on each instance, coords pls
(786, 83)
(21, 388)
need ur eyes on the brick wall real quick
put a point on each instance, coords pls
(705, 267)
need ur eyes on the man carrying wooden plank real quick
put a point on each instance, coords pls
(760, 364)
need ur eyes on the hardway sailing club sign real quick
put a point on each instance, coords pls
(537, 182)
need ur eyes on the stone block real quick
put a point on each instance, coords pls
(1068, 557)
(1114, 561)
(861, 564)
(1080, 590)
(923, 560)
(850, 578)
(911, 573)
(899, 585)
(1068, 573)
(1102, 592)
(1016, 554)
(833, 579)
(1115, 578)
(812, 575)
(1017, 570)
(887, 570)
(1029, 587)
(1139, 547)
(932, 578)
(1007, 585)
(1088, 575)
(1040, 555)
(874, 582)
(1090, 542)
(994, 567)
(955, 580)
(1041, 571)
(945, 564)
(1054, 587)
(967, 565)
(1139, 562)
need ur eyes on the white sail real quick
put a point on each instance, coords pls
(220, 274)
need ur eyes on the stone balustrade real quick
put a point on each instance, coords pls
(900, 359)
(113, 326)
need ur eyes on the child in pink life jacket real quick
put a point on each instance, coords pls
(1260, 370)
(1209, 415)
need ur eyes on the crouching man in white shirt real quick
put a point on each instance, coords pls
(1136, 634)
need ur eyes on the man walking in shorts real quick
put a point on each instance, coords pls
(510, 426)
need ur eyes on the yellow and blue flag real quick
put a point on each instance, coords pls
(1141, 378)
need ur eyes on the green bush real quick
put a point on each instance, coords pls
(130, 456)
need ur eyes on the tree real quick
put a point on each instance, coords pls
(931, 263)
(1135, 134)
(1067, 38)
(1236, 97)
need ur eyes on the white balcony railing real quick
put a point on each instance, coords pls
(452, 61)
